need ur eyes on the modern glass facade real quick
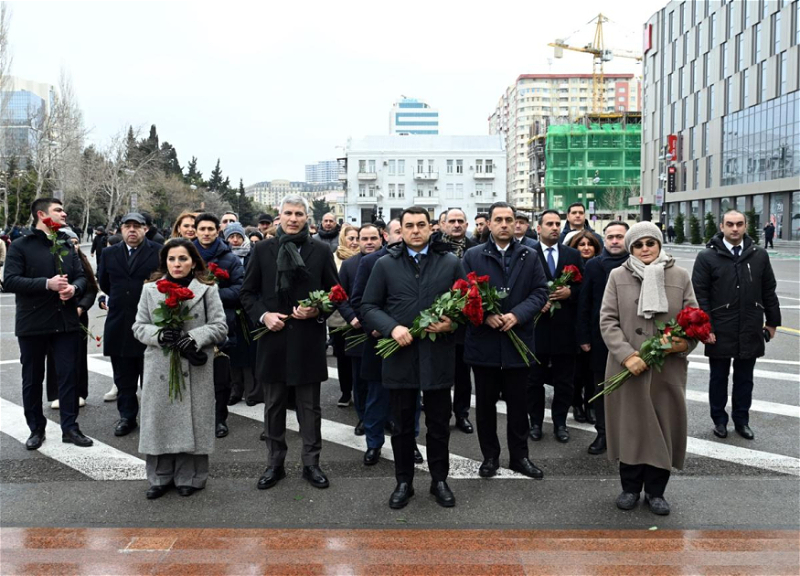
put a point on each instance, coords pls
(23, 114)
(417, 121)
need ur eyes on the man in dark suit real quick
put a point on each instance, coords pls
(595, 278)
(282, 271)
(555, 335)
(123, 269)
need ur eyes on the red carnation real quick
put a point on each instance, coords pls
(337, 294)
(461, 285)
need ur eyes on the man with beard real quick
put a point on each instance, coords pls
(576, 221)
(152, 232)
(282, 271)
(595, 277)
(408, 279)
(480, 225)
(329, 232)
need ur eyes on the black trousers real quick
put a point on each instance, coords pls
(437, 420)
(222, 387)
(344, 364)
(127, 373)
(599, 405)
(489, 384)
(635, 476)
(582, 385)
(82, 374)
(462, 390)
(33, 350)
(309, 416)
(741, 395)
(556, 370)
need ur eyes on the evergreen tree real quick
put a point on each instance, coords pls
(694, 230)
(226, 185)
(241, 188)
(319, 208)
(215, 181)
(710, 229)
(752, 231)
(169, 160)
(193, 175)
(132, 151)
(150, 144)
(680, 233)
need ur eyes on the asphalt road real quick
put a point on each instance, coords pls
(730, 483)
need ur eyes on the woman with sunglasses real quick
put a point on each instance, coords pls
(646, 422)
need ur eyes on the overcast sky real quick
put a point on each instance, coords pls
(269, 88)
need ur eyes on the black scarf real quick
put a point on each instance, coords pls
(185, 281)
(609, 261)
(291, 268)
(324, 235)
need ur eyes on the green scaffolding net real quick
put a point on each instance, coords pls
(601, 163)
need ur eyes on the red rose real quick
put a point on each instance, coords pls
(472, 277)
(703, 332)
(212, 268)
(50, 223)
(473, 293)
(171, 301)
(461, 285)
(483, 279)
(473, 310)
(668, 330)
(337, 294)
(221, 274)
(180, 294)
(574, 272)
(165, 286)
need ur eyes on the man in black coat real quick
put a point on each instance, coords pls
(555, 335)
(151, 231)
(99, 242)
(47, 289)
(123, 269)
(213, 250)
(499, 368)
(735, 286)
(576, 220)
(407, 280)
(595, 277)
(281, 271)
(769, 234)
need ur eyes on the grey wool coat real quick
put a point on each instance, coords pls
(171, 427)
(646, 420)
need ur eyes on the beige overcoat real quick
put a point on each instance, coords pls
(646, 417)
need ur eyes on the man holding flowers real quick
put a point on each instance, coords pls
(515, 270)
(406, 281)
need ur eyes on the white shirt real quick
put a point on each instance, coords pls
(555, 253)
(730, 247)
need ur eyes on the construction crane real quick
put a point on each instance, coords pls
(600, 55)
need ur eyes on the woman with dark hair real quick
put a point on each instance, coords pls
(184, 226)
(178, 435)
(85, 302)
(588, 245)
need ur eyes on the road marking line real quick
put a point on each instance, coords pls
(759, 361)
(100, 462)
(756, 406)
(756, 373)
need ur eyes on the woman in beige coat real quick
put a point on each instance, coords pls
(646, 417)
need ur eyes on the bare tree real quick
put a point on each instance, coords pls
(612, 199)
(5, 69)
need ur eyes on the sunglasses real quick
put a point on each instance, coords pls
(640, 245)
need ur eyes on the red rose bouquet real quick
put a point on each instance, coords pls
(172, 314)
(690, 323)
(217, 274)
(570, 274)
(59, 248)
(319, 299)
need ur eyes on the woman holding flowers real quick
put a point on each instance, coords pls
(177, 410)
(646, 423)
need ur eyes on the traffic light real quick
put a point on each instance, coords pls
(671, 170)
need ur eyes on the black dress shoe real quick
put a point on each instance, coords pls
(271, 476)
(536, 432)
(526, 468)
(315, 476)
(359, 429)
(250, 402)
(598, 446)
(488, 468)
(578, 414)
(372, 456)
(720, 431)
(562, 434)
(745, 432)
(464, 425)
(34, 441)
(418, 459)
(263, 437)
(401, 495)
(157, 491)
(234, 400)
(444, 496)
(591, 416)
(627, 500)
(125, 427)
(75, 436)
(187, 490)
(221, 430)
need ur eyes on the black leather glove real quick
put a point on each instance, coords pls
(195, 357)
(169, 336)
(186, 343)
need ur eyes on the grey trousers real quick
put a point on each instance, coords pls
(182, 469)
(309, 416)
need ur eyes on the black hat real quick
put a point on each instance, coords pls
(132, 217)
(99, 229)
(523, 215)
(265, 218)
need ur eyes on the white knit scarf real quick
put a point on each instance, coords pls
(653, 295)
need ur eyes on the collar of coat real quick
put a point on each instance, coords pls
(748, 246)
(397, 250)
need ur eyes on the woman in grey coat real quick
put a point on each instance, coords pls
(178, 435)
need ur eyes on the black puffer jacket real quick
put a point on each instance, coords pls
(29, 264)
(737, 296)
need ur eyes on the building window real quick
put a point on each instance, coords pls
(706, 138)
(743, 88)
(401, 190)
(372, 166)
(711, 99)
(672, 25)
(740, 52)
(449, 166)
(746, 8)
(450, 191)
(459, 191)
(782, 71)
(362, 166)
(706, 70)
(682, 17)
(392, 193)
(729, 10)
(392, 167)
(712, 32)
(699, 36)
(685, 113)
(728, 96)
(401, 168)
(762, 67)
(776, 33)
(756, 42)
(372, 189)
(697, 103)
(362, 190)
(693, 82)
(692, 142)
(478, 189)
(796, 23)
(420, 166)
(724, 63)
(709, 171)
(764, 9)
(488, 166)
(479, 166)
(459, 166)
(696, 178)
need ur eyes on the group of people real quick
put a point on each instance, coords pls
(581, 332)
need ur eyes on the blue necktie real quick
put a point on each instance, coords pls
(551, 262)
(736, 250)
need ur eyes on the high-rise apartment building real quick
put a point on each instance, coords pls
(322, 172)
(412, 116)
(722, 78)
(24, 106)
(535, 101)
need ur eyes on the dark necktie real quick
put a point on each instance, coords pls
(551, 262)
(131, 254)
(736, 250)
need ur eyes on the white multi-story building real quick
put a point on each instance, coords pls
(550, 99)
(322, 172)
(390, 173)
(412, 116)
(270, 193)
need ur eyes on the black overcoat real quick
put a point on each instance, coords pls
(296, 354)
(123, 283)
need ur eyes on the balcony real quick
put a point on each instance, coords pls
(426, 200)
(426, 176)
(484, 175)
(367, 200)
(342, 176)
(367, 176)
